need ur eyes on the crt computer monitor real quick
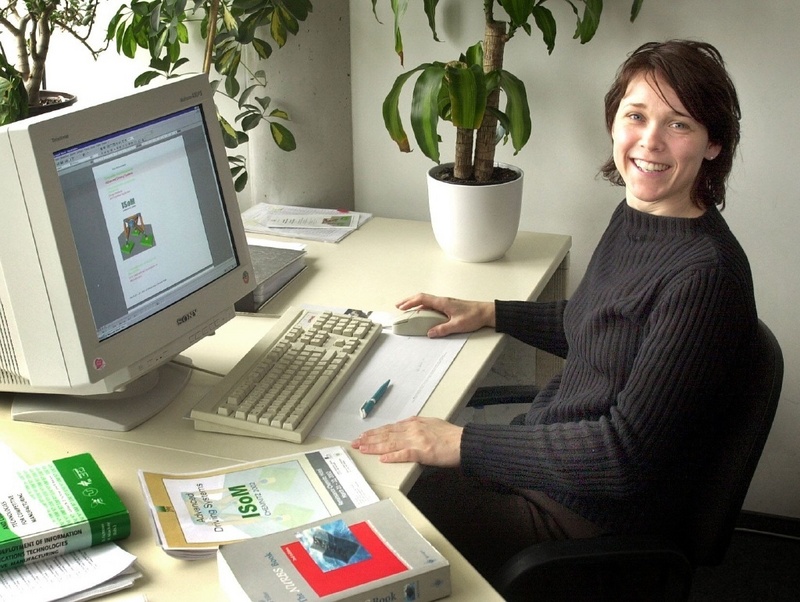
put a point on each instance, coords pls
(121, 244)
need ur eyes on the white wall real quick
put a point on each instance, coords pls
(569, 142)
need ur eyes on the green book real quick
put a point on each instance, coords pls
(57, 507)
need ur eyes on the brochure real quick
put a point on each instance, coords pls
(307, 223)
(195, 513)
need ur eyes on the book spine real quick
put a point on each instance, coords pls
(58, 507)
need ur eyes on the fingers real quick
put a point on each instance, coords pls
(418, 300)
(425, 440)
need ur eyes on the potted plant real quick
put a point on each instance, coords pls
(226, 28)
(466, 92)
(31, 24)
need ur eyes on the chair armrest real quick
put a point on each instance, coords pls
(487, 396)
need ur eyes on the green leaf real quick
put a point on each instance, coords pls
(251, 121)
(587, 26)
(240, 182)
(145, 78)
(289, 22)
(128, 44)
(517, 110)
(391, 112)
(299, 9)
(277, 30)
(635, 8)
(398, 8)
(182, 33)
(280, 113)
(474, 55)
(111, 30)
(262, 48)
(229, 136)
(547, 25)
(282, 136)
(518, 11)
(228, 20)
(425, 110)
(232, 85)
(140, 8)
(430, 11)
(467, 87)
(245, 94)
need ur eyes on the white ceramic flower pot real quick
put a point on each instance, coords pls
(474, 223)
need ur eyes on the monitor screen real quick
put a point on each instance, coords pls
(126, 247)
(151, 192)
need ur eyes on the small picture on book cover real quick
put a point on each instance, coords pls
(333, 557)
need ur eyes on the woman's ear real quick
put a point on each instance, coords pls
(713, 150)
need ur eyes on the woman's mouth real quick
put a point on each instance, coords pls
(648, 167)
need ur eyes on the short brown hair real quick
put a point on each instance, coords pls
(697, 74)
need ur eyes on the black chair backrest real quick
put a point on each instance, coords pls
(731, 470)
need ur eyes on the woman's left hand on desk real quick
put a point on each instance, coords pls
(429, 441)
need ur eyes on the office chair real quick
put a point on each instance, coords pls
(623, 568)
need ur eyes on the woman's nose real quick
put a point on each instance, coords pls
(652, 137)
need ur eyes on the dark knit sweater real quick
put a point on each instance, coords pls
(656, 338)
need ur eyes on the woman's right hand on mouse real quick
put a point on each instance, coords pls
(463, 316)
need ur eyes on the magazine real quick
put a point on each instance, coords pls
(195, 513)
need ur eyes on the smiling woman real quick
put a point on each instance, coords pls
(656, 338)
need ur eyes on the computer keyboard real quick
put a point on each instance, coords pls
(281, 388)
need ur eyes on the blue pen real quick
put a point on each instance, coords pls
(372, 401)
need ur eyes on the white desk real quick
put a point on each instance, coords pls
(373, 268)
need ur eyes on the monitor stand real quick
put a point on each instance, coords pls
(118, 411)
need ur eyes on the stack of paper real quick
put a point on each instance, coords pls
(309, 223)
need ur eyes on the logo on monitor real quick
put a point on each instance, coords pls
(192, 96)
(186, 317)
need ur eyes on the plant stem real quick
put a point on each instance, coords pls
(462, 168)
(212, 34)
(493, 46)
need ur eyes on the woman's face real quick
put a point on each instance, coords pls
(658, 149)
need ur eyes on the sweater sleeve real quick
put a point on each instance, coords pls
(692, 341)
(540, 325)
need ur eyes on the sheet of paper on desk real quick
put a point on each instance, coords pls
(76, 576)
(415, 365)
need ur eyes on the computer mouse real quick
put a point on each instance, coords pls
(417, 322)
